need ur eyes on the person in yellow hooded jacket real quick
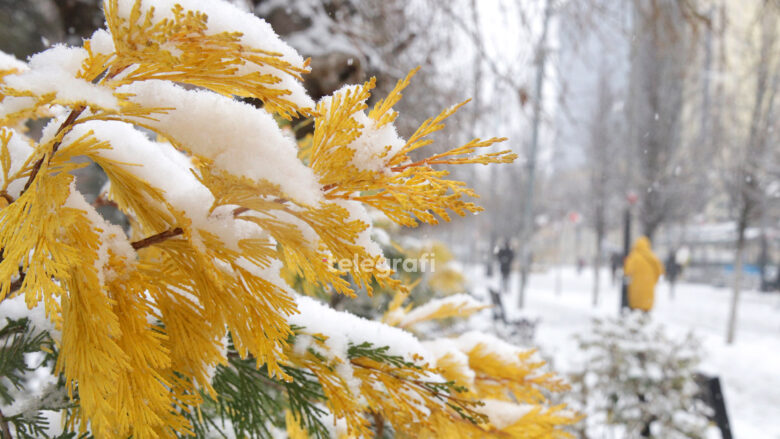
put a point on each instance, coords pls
(643, 270)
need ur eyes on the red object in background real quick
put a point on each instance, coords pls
(575, 217)
(632, 198)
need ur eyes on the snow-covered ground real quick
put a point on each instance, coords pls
(749, 369)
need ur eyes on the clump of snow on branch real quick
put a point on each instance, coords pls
(240, 138)
(55, 70)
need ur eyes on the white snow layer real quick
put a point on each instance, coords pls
(343, 328)
(16, 308)
(55, 71)
(443, 347)
(502, 414)
(102, 42)
(13, 104)
(375, 146)
(9, 62)
(171, 171)
(238, 137)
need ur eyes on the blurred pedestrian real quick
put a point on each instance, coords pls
(505, 256)
(673, 270)
(643, 269)
(615, 261)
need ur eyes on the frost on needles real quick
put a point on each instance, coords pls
(183, 325)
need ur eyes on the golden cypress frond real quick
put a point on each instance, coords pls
(454, 306)
(406, 191)
(383, 112)
(334, 129)
(193, 341)
(293, 427)
(511, 380)
(406, 394)
(264, 204)
(91, 358)
(454, 366)
(430, 126)
(342, 401)
(31, 247)
(28, 106)
(8, 71)
(451, 157)
(407, 398)
(232, 294)
(337, 234)
(180, 49)
(531, 422)
(148, 363)
(145, 204)
(12, 171)
(5, 155)
(498, 376)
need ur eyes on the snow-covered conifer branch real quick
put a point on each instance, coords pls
(185, 320)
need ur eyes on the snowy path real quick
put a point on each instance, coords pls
(749, 370)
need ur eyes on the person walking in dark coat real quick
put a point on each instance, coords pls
(615, 262)
(673, 270)
(505, 256)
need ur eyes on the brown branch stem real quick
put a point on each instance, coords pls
(100, 201)
(4, 427)
(409, 165)
(379, 421)
(74, 114)
(7, 197)
(15, 285)
(425, 162)
(155, 239)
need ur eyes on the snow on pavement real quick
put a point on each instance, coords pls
(749, 369)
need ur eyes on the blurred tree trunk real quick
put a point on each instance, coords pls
(597, 261)
(751, 174)
(527, 227)
(738, 262)
(601, 168)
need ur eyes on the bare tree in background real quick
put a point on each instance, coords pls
(749, 173)
(657, 78)
(591, 119)
(601, 148)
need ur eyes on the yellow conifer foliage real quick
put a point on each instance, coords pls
(406, 191)
(143, 317)
(489, 370)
